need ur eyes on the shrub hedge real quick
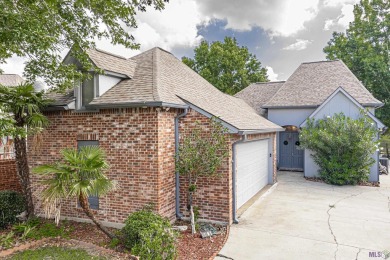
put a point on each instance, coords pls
(12, 204)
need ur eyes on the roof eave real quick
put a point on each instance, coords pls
(137, 104)
(116, 74)
(57, 108)
(260, 131)
(376, 105)
(290, 107)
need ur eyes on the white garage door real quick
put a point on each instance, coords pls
(251, 169)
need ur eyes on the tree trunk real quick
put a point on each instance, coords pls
(24, 173)
(85, 206)
(193, 229)
(192, 216)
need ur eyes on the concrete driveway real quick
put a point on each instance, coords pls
(299, 219)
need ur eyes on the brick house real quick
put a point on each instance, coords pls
(8, 176)
(137, 111)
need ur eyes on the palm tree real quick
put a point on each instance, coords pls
(20, 117)
(79, 175)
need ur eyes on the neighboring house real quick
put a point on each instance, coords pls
(8, 176)
(137, 111)
(314, 90)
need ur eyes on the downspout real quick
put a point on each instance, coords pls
(243, 139)
(177, 191)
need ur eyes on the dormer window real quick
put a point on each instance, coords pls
(93, 87)
(86, 91)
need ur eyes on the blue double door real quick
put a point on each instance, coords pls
(290, 154)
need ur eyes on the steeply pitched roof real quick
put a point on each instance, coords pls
(257, 94)
(11, 80)
(110, 62)
(313, 82)
(161, 77)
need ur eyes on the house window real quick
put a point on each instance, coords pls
(93, 200)
(86, 91)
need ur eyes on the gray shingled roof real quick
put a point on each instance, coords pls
(161, 77)
(61, 99)
(111, 62)
(313, 82)
(257, 94)
(11, 80)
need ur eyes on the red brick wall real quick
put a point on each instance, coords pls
(214, 195)
(8, 177)
(140, 148)
(138, 152)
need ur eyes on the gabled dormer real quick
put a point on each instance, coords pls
(115, 69)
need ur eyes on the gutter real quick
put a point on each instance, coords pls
(234, 177)
(177, 175)
(262, 131)
(138, 104)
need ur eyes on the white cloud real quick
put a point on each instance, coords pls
(328, 24)
(346, 16)
(342, 21)
(298, 45)
(175, 26)
(272, 76)
(279, 17)
(14, 65)
(335, 3)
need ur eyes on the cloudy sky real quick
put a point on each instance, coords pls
(281, 33)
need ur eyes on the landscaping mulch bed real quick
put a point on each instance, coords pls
(194, 247)
(89, 237)
(370, 184)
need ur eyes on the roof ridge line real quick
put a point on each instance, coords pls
(269, 82)
(110, 53)
(319, 61)
(155, 92)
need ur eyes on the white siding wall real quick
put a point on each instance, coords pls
(106, 82)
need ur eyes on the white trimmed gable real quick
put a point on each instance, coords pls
(340, 101)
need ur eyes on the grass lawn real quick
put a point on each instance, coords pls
(48, 253)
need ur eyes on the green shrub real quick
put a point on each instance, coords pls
(47, 230)
(23, 229)
(7, 240)
(149, 236)
(11, 205)
(342, 147)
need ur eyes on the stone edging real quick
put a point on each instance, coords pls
(23, 247)
(224, 242)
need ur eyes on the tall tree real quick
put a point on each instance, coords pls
(365, 49)
(79, 175)
(20, 117)
(226, 65)
(41, 30)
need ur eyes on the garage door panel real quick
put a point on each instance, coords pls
(251, 169)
